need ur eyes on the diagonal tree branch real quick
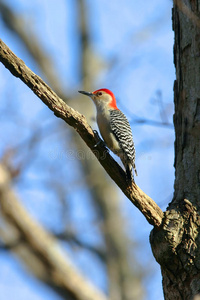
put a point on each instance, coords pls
(17, 67)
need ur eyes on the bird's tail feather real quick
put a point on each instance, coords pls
(134, 167)
(129, 173)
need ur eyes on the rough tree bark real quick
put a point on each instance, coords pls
(175, 244)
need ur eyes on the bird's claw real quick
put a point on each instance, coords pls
(100, 141)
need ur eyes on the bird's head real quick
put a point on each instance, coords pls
(102, 97)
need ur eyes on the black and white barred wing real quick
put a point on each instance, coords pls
(123, 133)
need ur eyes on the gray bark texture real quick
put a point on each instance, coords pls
(175, 244)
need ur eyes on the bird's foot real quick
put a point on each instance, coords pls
(99, 140)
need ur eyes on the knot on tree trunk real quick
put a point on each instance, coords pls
(178, 234)
(174, 246)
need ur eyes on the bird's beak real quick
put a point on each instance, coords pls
(86, 93)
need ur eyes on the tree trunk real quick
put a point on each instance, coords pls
(175, 244)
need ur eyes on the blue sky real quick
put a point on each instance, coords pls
(133, 43)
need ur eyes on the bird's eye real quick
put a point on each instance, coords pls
(100, 94)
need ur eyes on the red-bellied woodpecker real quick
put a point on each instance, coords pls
(114, 128)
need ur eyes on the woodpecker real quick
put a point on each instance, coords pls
(114, 128)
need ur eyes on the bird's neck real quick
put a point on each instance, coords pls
(102, 107)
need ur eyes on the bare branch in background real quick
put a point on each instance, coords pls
(70, 237)
(136, 120)
(57, 268)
